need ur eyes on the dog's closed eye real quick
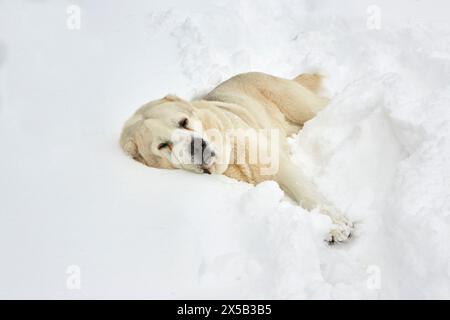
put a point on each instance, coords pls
(163, 145)
(183, 123)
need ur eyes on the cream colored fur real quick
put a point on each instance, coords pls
(246, 101)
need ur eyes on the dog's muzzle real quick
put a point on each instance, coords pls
(202, 154)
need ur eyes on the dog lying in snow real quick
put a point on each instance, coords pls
(239, 130)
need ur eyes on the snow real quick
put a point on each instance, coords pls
(380, 151)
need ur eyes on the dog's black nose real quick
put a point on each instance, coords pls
(198, 145)
(203, 144)
(201, 152)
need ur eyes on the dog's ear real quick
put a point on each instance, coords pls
(131, 148)
(127, 141)
(171, 97)
(174, 98)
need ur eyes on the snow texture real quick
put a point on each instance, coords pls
(79, 219)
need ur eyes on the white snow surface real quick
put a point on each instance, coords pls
(380, 151)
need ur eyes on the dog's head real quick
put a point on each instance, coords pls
(168, 133)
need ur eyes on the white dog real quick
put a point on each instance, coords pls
(239, 130)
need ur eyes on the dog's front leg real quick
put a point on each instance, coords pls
(295, 183)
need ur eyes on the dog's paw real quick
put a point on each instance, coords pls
(341, 231)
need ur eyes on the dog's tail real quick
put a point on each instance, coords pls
(311, 81)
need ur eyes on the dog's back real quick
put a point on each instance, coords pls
(296, 99)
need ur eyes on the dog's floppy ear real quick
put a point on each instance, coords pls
(130, 147)
(171, 97)
(174, 98)
(127, 141)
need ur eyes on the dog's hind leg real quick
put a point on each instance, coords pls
(311, 81)
(297, 100)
